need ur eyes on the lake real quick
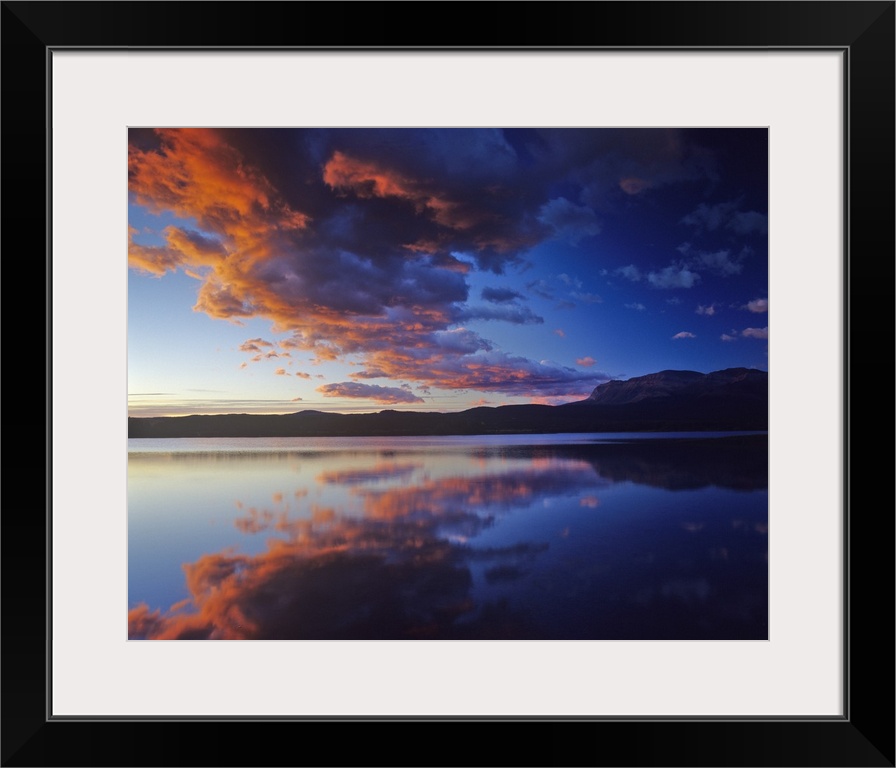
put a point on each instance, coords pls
(549, 537)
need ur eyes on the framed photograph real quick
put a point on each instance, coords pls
(404, 393)
(431, 262)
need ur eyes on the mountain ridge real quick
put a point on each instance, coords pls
(671, 382)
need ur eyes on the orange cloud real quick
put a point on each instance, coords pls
(197, 174)
(367, 179)
(183, 248)
(255, 521)
(254, 345)
(632, 185)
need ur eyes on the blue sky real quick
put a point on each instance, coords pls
(276, 270)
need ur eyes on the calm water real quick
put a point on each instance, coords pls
(636, 537)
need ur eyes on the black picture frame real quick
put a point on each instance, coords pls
(863, 31)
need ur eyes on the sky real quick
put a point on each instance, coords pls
(357, 270)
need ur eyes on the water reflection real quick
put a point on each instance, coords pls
(626, 541)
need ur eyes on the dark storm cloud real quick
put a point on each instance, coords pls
(540, 288)
(727, 216)
(510, 313)
(499, 295)
(569, 221)
(354, 389)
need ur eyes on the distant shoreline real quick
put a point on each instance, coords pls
(650, 416)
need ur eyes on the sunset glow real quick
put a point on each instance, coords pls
(276, 270)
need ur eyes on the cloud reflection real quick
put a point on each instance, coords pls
(402, 570)
(487, 549)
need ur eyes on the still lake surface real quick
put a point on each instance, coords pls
(561, 537)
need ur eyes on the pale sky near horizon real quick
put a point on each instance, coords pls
(277, 270)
